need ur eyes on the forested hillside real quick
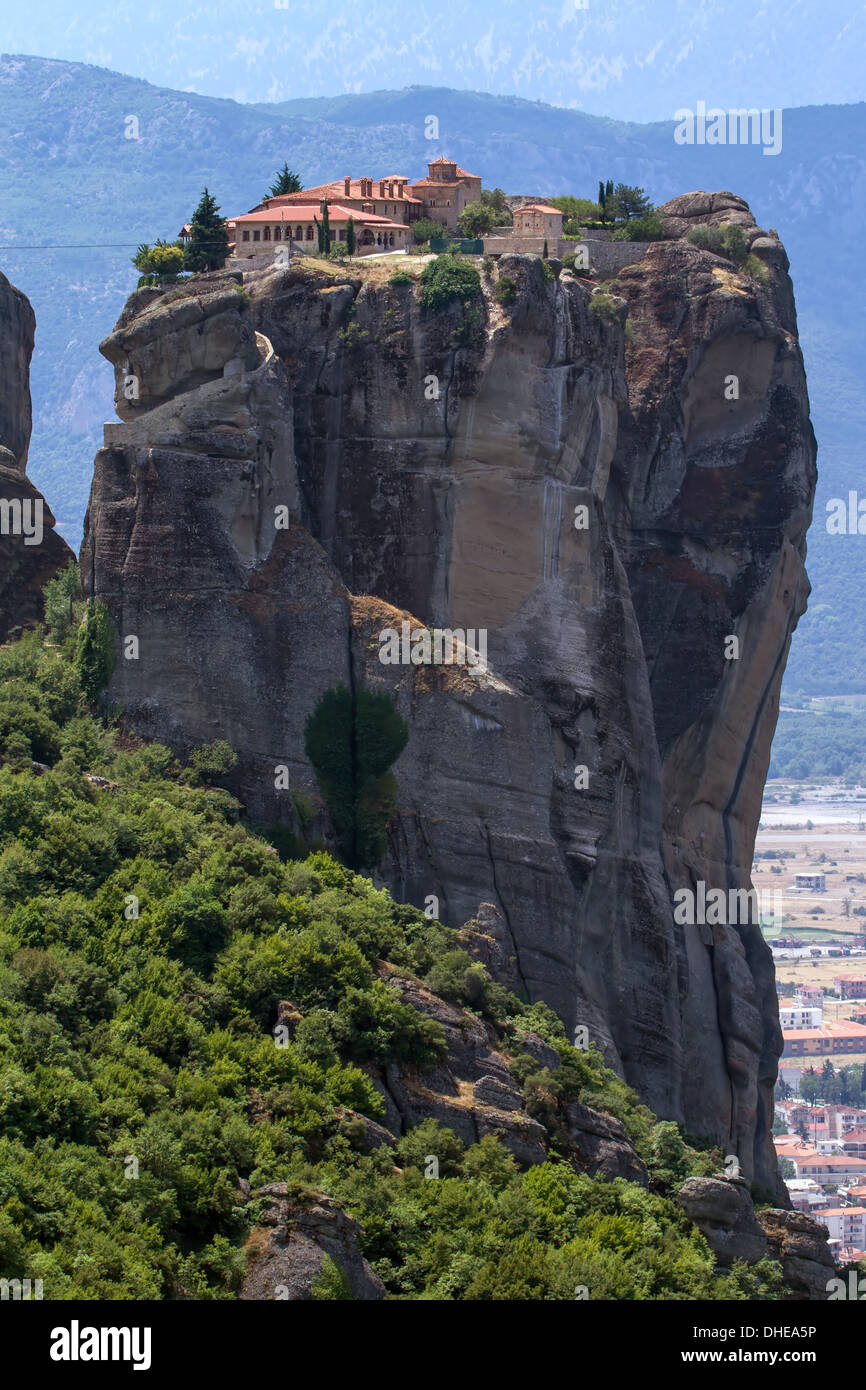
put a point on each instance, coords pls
(149, 943)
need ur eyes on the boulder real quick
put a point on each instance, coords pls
(799, 1243)
(722, 1210)
(286, 1252)
(603, 1145)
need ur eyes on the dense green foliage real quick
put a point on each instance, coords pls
(160, 263)
(94, 653)
(505, 290)
(477, 219)
(425, 228)
(577, 210)
(831, 1087)
(352, 739)
(146, 939)
(604, 308)
(495, 199)
(446, 279)
(646, 228)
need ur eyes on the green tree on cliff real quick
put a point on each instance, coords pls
(286, 181)
(323, 231)
(477, 219)
(351, 238)
(64, 607)
(208, 244)
(352, 740)
(629, 201)
(94, 654)
(165, 259)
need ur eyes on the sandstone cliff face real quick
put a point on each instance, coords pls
(428, 467)
(30, 550)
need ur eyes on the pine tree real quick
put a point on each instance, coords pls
(207, 247)
(287, 181)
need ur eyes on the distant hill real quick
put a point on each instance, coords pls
(73, 180)
(639, 58)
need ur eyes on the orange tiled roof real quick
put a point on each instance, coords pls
(538, 207)
(306, 214)
(337, 189)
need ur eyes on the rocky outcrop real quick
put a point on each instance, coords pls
(287, 1251)
(716, 469)
(31, 551)
(722, 1210)
(317, 458)
(603, 1145)
(471, 1092)
(799, 1243)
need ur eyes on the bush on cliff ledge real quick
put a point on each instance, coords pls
(446, 279)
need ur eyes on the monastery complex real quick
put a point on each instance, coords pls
(383, 211)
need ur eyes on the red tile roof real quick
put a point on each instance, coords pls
(337, 189)
(303, 213)
(539, 207)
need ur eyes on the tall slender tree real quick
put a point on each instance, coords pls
(323, 231)
(351, 239)
(208, 244)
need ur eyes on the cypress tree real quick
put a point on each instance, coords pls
(351, 241)
(208, 244)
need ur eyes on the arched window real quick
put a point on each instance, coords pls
(267, 235)
(309, 234)
(299, 234)
(278, 235)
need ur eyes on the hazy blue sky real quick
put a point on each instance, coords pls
(634, 59)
